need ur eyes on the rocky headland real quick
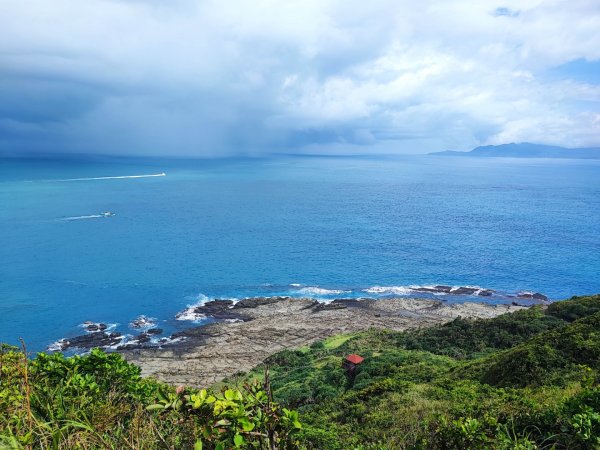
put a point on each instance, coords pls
(255, 328)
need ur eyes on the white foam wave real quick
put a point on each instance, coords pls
(143, 322)
(57, 346)
(387, 290)
(436, 290)
(121, 177)
(233, 300)
(122, 341)
(190, 313)
(315, 290)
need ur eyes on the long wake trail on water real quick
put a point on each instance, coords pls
(121, 177)
(91, 216)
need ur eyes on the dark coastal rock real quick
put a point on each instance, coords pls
(485, 293)
(361, 302)
(93, 326)
(255, 302)
(464, 291)
(196, 332)
(137, 342)
(142, 338)
(343, 303)
(328, 306)
(340, 303)
(154, 331)
(96, 339)
(532, 296)
(142, 322)
(216, 309)
(434, 289)
(347, 302)
(312, 304)
(443, 288)
(144, 341)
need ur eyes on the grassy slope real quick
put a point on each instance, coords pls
(526, 379)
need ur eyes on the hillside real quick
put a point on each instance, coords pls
(526, 150)
(523, 380)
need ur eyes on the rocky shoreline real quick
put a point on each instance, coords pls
(145, 334)
(252, 329)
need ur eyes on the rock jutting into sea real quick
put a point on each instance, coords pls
(461, 290)
(224, 309)
(142, 322)
(94, 339)
(207, 354)
(532, 296)
(93, 326)
(113, 341)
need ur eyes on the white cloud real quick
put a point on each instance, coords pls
(191, 77)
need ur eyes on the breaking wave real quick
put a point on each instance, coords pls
(389, 290)
(315, 290)
(190, 313)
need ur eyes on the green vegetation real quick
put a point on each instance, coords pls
(525, 380)
(99, 401)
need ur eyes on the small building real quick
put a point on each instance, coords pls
(351, 362)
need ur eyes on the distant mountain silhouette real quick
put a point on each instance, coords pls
(527, 150)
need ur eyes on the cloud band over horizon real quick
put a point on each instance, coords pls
(215, 78)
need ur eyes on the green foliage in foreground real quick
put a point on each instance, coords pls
(527, 380)
(100, 401)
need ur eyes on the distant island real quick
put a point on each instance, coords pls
(526, 150)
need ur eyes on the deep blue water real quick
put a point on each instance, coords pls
(233, 228)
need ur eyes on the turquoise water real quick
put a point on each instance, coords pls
(288, 225)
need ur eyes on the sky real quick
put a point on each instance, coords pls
(223, 78)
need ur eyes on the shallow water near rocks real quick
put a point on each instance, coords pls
(324, 227)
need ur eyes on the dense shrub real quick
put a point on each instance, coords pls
(547, 358)
(525, 380)
(575, 308)
(467, 338)
(100, 401)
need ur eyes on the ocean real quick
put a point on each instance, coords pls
(328, 227)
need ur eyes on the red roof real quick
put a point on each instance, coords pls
(354, 359)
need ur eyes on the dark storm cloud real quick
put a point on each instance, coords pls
(221, 78)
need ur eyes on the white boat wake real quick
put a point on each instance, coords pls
(91, 216)
(122, 177)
